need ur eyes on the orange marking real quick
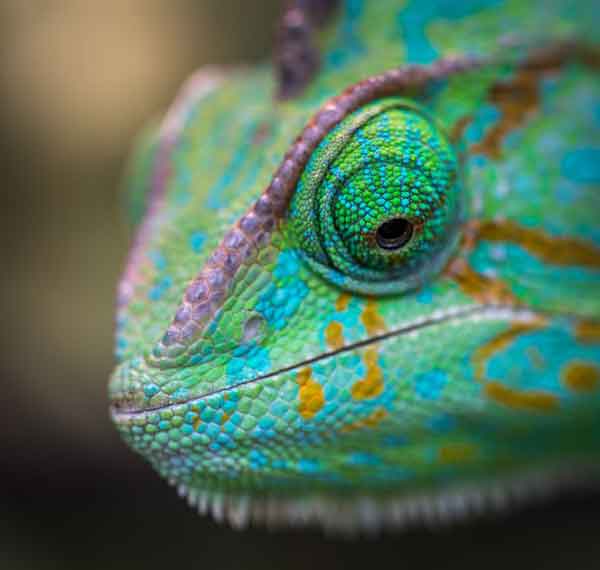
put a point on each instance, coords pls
(581, 376)
(516, 99)
(197, 423)
(371, 319)
(535, 400)
(334, 335)
(372, 384)
(310, 394)
(371, 420)
(519, 399)
(486, 290)
(458, 128)
(555, 250)
(342, 302)
(225, 417)
(500, 342)
(588, 332)
(456, 453)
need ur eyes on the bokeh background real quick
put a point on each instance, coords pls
(78, 78)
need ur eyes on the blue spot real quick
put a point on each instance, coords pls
(582, 166)
(180, 394)
(158, 259)
(429, 385)
(287, 265)
(255, 363)
(159, 289)
(266, 423)
(151, 390)
(197, 241)
(309, 466)
(361, 458)
(425, 296)
(279, 409)
(278, 304)
(212, 430)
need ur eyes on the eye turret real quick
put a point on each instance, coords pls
(378, 206)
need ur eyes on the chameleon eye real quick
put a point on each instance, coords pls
(378, 205)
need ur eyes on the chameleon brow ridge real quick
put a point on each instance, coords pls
(208, 290)
(453, 314)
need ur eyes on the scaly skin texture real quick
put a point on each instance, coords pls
(276, 362)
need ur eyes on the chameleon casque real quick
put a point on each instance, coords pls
(365, 287)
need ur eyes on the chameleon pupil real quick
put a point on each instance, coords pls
(394, 234)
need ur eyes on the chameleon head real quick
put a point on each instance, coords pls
(365, 328)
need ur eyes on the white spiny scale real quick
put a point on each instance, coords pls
(192, 498)
(217, 508)
(202, 502)
(238, 512)
(370, 515)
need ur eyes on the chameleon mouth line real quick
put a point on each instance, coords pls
(454, 314)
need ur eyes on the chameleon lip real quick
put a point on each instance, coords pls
(120, 407)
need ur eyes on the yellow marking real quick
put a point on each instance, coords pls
(486, 290)
(370, 421)
(372, 320)
(535, 400)
(516, 99)
(372, 384)
(342, 302)
(581, 376)
(500, 342)
(197, 423)
(334, 335)
(456, 453)
(225, 417)
(556, 250)
(310, 394)
(588, 332)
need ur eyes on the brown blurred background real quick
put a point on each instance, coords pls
(78, 78)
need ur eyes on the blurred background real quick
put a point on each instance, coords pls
(78, 78)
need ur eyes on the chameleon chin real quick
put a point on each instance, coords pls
(364, 290)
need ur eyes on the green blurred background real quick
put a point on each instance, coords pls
(78, 78)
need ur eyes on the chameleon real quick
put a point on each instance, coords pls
(364, 287)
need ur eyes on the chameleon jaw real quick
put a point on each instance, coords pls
(128, 400)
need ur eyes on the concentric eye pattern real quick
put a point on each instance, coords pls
(378, 207)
